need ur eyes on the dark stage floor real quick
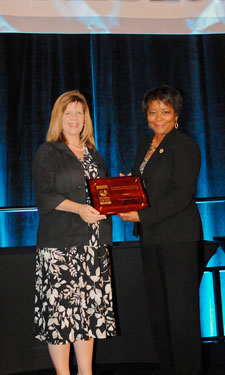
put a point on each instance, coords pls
(125, 369)
(110, 369)
(214, 361)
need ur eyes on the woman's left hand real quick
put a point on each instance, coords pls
(130, 216)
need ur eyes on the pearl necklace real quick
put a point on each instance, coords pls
(75, 148)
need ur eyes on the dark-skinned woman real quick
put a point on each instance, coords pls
(171, 233)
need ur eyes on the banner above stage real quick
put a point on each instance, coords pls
(113, 16)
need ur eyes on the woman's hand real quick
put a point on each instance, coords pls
(89, 214)
(122, 174)
(130, 216)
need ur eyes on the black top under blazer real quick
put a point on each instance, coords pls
(58, 175)
(170, 178)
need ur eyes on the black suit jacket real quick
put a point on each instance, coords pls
(170, 179)
(59, 175)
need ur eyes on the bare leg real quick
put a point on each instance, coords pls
(60, 358)
(84, 354)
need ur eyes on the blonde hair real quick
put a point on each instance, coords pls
(55, 132)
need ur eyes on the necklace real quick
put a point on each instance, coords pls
(151, 150)
(75, 148)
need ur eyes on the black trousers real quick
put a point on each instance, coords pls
(172, 279)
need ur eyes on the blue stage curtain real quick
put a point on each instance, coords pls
(113, 72)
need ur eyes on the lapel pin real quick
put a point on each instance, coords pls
(161, 151)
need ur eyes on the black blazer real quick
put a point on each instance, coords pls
(170, 178)
(58, 175)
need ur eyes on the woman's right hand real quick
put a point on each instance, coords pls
(89, 214)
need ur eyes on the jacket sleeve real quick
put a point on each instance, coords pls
(180, 190)
(43, 173)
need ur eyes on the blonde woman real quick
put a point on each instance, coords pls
(73, 301)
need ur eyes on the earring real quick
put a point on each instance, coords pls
(176, 125)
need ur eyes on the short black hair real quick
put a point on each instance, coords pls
(165, 93)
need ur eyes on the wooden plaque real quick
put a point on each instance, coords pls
(113, 195)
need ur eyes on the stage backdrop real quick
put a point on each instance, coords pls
(113, 72)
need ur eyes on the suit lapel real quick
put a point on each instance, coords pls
(161, 150)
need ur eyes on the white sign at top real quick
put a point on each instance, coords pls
(113, 16)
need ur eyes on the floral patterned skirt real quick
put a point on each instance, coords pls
(73, 295)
